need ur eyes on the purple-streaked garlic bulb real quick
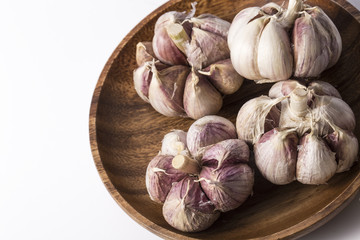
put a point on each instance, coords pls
(276, 155)
(200, 173)
(312, 113)
(187, 208)
(262, 50)
(186, 70)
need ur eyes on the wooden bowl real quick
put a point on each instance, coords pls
(126, 133)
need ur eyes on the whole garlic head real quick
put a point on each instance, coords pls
(261, 49)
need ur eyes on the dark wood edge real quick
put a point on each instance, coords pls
(293, 232)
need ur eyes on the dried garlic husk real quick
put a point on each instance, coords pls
(144, 53)
(316, 162)
(206, 131)
(174, 143)
(328, 109)
(257, 116)
(276, 155)
(160, 175)
(223, 76)
(346, 146)
(200, 97)
(206, 48)
(167, 89)
(324, 88)
(260, 47)
(187, 208)
(283, 88)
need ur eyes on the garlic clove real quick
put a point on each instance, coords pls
(167, 89)
(276, 154)
(316, 163)
(206, 48)
(241, 20)
(312, 53)
(335, 42)
(283, 88)
(226, 152)
(244, 53)
(200, 97)
(187, 208)
(160, 175)
(328, 109)
(142, 78)
(206, 131)
(274, 55)
(324, 88)
(346, 146)
(257, 116)
(223, 76)
(174, 143)
(228, 187)
(166, 50)
(144, 53)
(211, 23)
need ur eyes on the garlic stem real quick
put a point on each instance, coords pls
(294, 7)
(298, 102)
(186, 164)
(178, 35)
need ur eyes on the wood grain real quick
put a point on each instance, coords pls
(125, 134)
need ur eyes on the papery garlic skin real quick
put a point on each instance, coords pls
(227, 187)
(223, 76)
(257, 116)
(346, 146)
(142, 77)
(225, 153)
(167, 89)
(200, 97)
(208, 130)
(160, 175)
(174, 143)
(316, 163)
(283, 88)
(144, 53)
(187, 208)
(276, 155)
(329, 109)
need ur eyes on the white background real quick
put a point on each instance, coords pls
(51, 55)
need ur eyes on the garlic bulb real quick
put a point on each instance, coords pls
(160, 174)
(260, 47)
(208, 130)
(312, 112)
(316, 162)
(195, 46)
(187, 208)
(199, 174)
(276, 155)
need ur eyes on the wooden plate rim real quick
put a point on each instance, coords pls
(318, 219)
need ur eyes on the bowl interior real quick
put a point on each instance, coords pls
(126, 134)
